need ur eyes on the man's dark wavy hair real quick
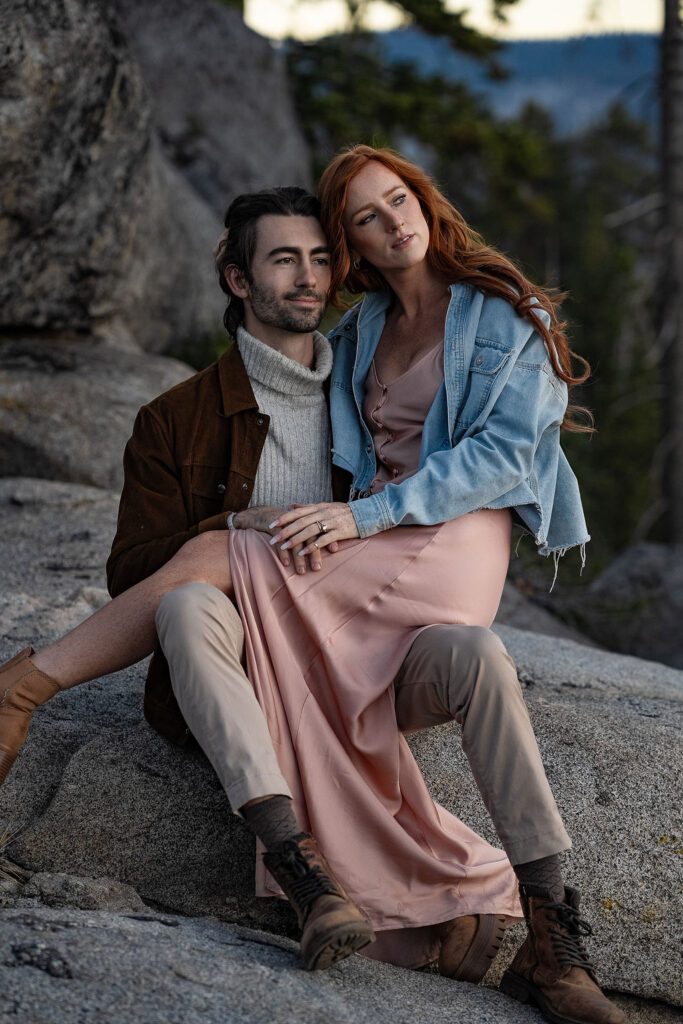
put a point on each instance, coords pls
(238, 242)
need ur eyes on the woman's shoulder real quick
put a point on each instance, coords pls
(347, 325)
(500, 321)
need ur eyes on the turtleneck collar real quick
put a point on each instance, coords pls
(279, 373)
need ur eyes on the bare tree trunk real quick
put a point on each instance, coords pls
(672, 267)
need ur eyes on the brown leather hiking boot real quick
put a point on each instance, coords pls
(23, 688)
(552, 968)
(332, 925)
(469, 945)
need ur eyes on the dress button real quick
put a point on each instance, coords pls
(221, 488)
(395, 471)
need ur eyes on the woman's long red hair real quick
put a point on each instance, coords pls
(455, 250)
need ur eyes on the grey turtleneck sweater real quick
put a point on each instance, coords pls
(295, 462)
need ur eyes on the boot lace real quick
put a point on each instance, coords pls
(308, 882)
(566, 941)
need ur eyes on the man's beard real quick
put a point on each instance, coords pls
(271, 308)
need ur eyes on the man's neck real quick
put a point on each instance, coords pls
(299, 347)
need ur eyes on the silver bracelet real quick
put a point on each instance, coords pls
(230, 521)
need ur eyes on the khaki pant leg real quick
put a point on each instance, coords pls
(464, 673)
(202, 638)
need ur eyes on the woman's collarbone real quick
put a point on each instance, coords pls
(398, 353)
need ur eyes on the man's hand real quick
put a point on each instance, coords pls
(315, 526)
(259, 518)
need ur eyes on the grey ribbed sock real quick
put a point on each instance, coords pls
(544, 873)
(272, 820)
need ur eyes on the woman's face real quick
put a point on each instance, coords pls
(383, 220)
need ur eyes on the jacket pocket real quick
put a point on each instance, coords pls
(207, 491)
(488, 359)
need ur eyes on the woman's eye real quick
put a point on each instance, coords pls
(400, 199)
(365, 220)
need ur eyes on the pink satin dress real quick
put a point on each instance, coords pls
(322, 651)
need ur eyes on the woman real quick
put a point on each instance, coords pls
(475, 430)
(449, 389)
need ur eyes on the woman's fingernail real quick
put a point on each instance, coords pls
(273, 524)
(273, 540)
(285, 562)
(301, 570)
(287, 544)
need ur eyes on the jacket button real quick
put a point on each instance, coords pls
(221, 488)
(479, 360)
(245, 487)
(259, 421)
(368, 448)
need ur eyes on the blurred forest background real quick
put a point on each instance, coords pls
(129, 125)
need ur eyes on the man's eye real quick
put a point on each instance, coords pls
(324, 261)
(286, 259)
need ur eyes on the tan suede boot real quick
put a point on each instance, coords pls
(23, 688)
(552, 969)
(469, 945)
(332, 925)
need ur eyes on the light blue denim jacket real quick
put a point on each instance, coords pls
(491, 438)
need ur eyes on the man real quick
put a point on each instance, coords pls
(231, 448)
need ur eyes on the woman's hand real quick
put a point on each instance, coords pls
(260, 517)
(316, 526)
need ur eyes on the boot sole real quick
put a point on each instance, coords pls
(524, 991)
(483, 950)
(6, 762)
(336, 945)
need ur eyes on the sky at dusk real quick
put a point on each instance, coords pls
(528, 19)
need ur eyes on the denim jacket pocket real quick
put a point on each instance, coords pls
(488, 359)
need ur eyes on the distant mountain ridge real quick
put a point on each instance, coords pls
(576, 79)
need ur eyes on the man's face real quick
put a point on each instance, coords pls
(290, 275)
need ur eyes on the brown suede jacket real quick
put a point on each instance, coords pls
(192, 459)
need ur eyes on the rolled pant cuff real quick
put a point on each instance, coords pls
(249, 788)
(544, 844)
